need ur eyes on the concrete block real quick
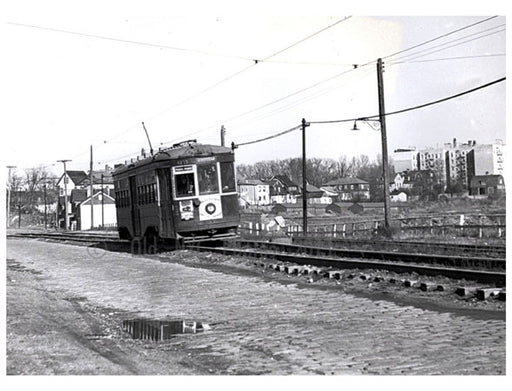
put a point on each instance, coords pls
(428, 286)
(466, 290)
(291, 269)
(378, 279)
(502, 295)
(410, 283)
(486, 293)
(364, 277)
(306, 270)
(332, 274)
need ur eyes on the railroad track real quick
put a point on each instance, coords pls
(495, 251)
(489, 270)
(72, 237)
(482, 269)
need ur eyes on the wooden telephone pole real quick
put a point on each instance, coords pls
(66, 216)
(92, 192)
(304, 181)
(385, 168)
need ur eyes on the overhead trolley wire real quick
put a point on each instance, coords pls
(270, 137)
(448, 58)
(354, 67)
(255, 62)
(441, 36)
(129, 41)
(443, 46)
(376, 116)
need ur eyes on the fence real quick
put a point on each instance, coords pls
(457, 225)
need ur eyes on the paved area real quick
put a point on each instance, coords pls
(258, 326)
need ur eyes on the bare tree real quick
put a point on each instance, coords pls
(35, 178)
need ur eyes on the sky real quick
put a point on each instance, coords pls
(87, 73)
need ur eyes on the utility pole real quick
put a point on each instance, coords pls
(9, 194)
(45, 210)
(385, 173)
(102, 205)
(92, 193)
(19, 207)
(66, 217)
(222, 135)
(304, 182)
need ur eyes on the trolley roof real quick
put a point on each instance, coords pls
(179, 151)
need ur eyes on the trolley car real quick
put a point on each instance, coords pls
(184, 192)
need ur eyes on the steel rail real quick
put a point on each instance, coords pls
(439, 259)
(496, 277)
(474, 248)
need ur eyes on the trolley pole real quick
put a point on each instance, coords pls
(222, 136)
(304, 182)
(66, 217)
(385, 168)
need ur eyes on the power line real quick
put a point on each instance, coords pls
(273, 102)
(413, 108)
(323, 81)
(377, 115)
(439, 37)
(270, 137)
(431, 51)
(241, 71)
(449, 58)
(347, 71)
(128, 41)
(306, 38)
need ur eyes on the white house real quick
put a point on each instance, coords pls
(72, 180)
(107, 212)
(254, 192)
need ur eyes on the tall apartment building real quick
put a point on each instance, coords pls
(405, 159)
(488, 159)
(434, 159)
(454, 162)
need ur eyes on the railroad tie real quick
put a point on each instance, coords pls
(486, 293)
(410, 283)
(466, 290)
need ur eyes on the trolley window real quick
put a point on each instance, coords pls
(227, 177)
(184, 184)
(208, 179)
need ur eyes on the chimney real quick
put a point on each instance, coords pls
(454, 142)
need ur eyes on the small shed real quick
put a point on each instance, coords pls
(361, 207)
(107, 212)
(484, 185)
(339, 208)
(398, 196)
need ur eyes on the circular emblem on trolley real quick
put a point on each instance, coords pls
(210, 208)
